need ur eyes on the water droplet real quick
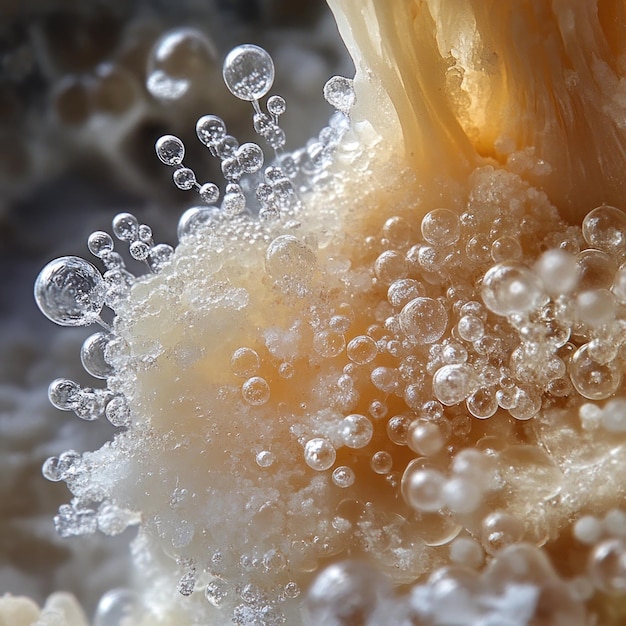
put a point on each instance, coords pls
(117, 411)
(424, 319)
(170, 150)
(70, 291)
(92, 355)
(210, 130)
(339, 93)
(184, 178)
(63, 394)
(319, 454)
(248, 72)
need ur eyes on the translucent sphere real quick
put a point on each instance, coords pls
(356, 431)
(423, 489)
(248, 72)
(194, 219)
(510, 288)
(424, 319)
(604, 228)
(607, 566)
(593, 380)
(70, 291)
(362, 349)
(290, 262)
(339, 93)
(116, 608)
(343, 476)
(319, 454)
(381, 462)
(441, 227)
(184, 178)
(255, 391)
(558, 271)
(244, 362)
(500, 529)
(425, 437)
(210, 129)
(453, 383)
(170, 150)
(92, 355)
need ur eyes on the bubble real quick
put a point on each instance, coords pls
(170, 150)
(500, 529)
(328, 343)
(126, 227)
(117, 412)
(255, 391)
(116, 608)
(210, 130)
(381, 462)
(276, 105)
(424, 319)
(398, 429)
(70, 291)
(604, 228)
(195, 218)
(290, 262)
(423, 488)
(343, 476)
(216, 592)
(390, 266)
(362, 349)
(63, 394)
(558, 271)
(466, 551)
(100, 243)
(483, 403)
(286, 370)
(588, 529)
(339, 93)
(184, 178)
(425, 437)
(346, 593)
(614, 415)
(244, 362)
(593, 380)
(385, 379)
(52, 469)
(234, 201)
(596, 270)
(403, 290)
(441, 227)
(92, 355)
(250, 157)
(506, 249)
(248, 72)
(470, 328)
(453, 383)
(159, 256)
(356, 431)
(319, 454)
(595, 307)
(510, 288)
(139, 250)
(264, 458)
(607, 566)
(461, 495)
(292, 590)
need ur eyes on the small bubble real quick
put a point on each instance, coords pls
(126, 227)
(248, 72)
(604, 228)
(377, 409)
(244, 362)
(441, 227)
(423, 489)
(52, 469)
(453, 383)
(343, 476)
(276, 105)
(210, 193)
(70, 291)
(160, 255)
(63, 394)
(362, 349)
(403, 290)
(319, 454)
(425, 437)
(506, 249)
(100, 243)
(292, 590)
(139, 250)
(424, 319)
(596, 270)
(328, 343)
(510, 288)
(255, 391)
(398, 429)
(117, 411)
(500, 529)
(381, 462)
(170, 150)
(184, 178)
(194, 218)
(92, 355)
(216, 592)
(210, 130)
(593, 380)
(250, 157)
(290, 262)
(286, 370)
(264, 458)
(470, 328)
(356, 431)
(390, 266)
(339, 93)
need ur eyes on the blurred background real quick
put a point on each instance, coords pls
(86, 88)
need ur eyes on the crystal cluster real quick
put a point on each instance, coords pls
(331, 367)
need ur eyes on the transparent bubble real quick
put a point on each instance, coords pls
(506, 249)
(117, 411)
(216, 592)
(390, 266)
(510, 288)
(425, 437)
(356, 431)
(248, 72)
(89, 404)
(210, 129)
(604, 228)
(255, 391)
(362, 349)
(423, 488)
(63, 394)
(184, 178)
(343, 476)
(595, 307)
(52, 469)
(92, 355)
(596, 270)
(210, 193)
(264, 458)
(244, 362)
(381, 462)
(339, 93)
(558, 271)
(100, 243)
(234, 201)
(160, 255)
(483, 403)
(139, 250)
(500, 529)
(328, 343)
(453, 383)
(250, 157)
(402, 291)
(441, 227)
(319, 454)
(398, 429)
(116, 608)
(70, 291)
(170, 150)
(290, 262)
(126, 227)
(593, 380)
(470, 328)
(607, 566)
(276, 105)
(424, 319)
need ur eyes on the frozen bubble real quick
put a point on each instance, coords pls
(328, 343)
(290, 262)
(276, 105)
(100, 243)
(255, 391)
(248, 72)
(216, 592)
(126, 227)
(391, 266)
(345, 594)
(116, 608)
(453, 383)
(264, 459)
(210, 129)
(160, 255)
(92, 355)
(558, 271)
(500, 529)
(339, 93)
(607, 566)
(63, 394)
(362, 349)
(381, 462)
(423, 488)
(510, 288)
(343, 476)
(210, 193)
(441, 227)
(424, 319)
(604, 228)
(70, 291)
(195, 218)
(117, 411)
(52, 469)
(250, 157)
(506, 249)
(244, 362)
(139, 250)
(593, 380)
(356, 431)
(470, 328)
(184, 178)
(319, 454)
(170, 150)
